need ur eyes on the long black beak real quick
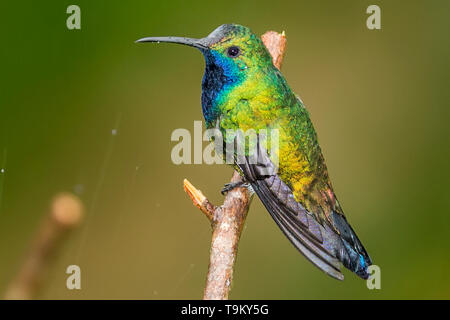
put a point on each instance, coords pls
(196, 43)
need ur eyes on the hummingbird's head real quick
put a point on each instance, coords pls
(233, 47)
(233, 55)
(236, 47)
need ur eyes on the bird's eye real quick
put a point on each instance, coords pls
(233, 51)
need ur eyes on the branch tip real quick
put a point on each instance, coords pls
(199, 200)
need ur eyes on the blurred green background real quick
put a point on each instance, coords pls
(379, 101)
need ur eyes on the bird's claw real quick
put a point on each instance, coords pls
(232, 185)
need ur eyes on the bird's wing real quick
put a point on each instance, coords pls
(318, 243)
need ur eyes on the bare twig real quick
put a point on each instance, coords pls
(228, 220)
(66, 213)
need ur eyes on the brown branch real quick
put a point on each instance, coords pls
(228, 220)
(65, 213)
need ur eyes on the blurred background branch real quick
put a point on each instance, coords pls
(227, 220)
(66, 213)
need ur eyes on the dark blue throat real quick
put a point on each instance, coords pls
(221, 75)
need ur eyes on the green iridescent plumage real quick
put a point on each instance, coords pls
(242, 89)
(262, 99)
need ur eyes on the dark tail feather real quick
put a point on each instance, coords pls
(299, 237)
(353, 255)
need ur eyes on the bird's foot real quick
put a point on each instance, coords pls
(232, 185)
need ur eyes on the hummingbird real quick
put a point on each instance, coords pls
(242, 89)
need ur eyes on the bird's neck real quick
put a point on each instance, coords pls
(220, 77)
